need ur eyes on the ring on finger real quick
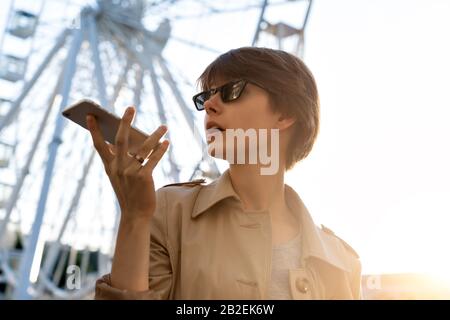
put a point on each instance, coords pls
(139, 158)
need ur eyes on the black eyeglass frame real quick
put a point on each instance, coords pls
(223, 95)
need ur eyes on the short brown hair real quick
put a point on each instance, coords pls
(289, 83)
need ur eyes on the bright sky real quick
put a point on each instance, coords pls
(379, 173)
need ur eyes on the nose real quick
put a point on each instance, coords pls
(213, 104)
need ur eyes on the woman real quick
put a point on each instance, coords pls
(246, 235)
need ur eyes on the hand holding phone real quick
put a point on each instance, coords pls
(132, 181)
(130, 175)
(108, 123)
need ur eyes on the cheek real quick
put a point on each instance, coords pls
(254, 116)
(260, 121)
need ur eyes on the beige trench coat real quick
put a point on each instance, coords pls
(203, 246)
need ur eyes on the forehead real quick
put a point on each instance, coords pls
(217, 81)
(219, 74)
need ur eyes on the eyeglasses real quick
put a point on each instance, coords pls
(228, 92)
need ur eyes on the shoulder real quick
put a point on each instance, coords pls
(348, 248)
(174, 201)
(173, 196)
(340, 253)
(348, 259)
(192, 183)
(181, 190)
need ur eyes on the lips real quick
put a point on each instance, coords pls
(213, 129)
(214, 125)
(210, 133)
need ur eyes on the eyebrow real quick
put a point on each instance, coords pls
(220, 80)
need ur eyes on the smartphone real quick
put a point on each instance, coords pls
(107, 122)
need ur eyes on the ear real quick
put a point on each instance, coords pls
(285, 122)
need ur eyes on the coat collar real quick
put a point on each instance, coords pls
(315, 242)
(216, 191)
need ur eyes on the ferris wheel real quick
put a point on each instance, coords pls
(58, 214)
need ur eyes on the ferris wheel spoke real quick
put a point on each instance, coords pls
(93, 41)
(174, 172)
(185, 110)
(196, 45)
(5, 120)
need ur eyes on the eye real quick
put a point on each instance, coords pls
(233, 91)
(205, 96)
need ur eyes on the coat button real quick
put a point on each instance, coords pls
(302, 285)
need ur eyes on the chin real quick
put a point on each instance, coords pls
(223, 155)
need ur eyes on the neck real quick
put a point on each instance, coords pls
(258, 192)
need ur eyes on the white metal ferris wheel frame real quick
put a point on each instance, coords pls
(150, 55)
(88, 25)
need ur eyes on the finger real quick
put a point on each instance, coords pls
(122, 135)
(152, 141)
(98, 140)
(155, 157)
(137, 164)
(112, 148)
